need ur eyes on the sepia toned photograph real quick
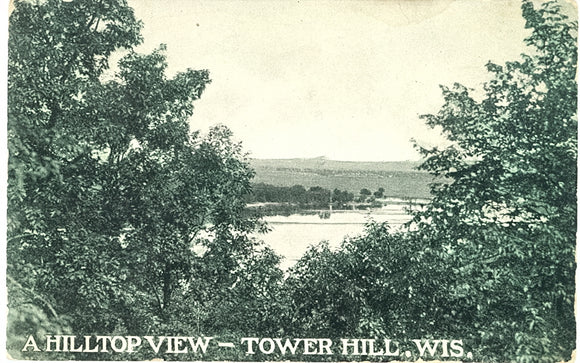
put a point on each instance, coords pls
(291, 180)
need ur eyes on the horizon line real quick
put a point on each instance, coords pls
(329, 159)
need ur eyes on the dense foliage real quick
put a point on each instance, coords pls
(490, 259)
(507, 223)
(313, 197)
(120, 219)
(298, 194)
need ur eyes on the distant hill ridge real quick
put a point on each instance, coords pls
(323, 163)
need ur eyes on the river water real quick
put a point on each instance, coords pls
(291, 235)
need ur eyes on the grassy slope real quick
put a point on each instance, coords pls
(399, 179)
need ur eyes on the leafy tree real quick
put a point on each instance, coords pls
(57, 51)
(490, 260)
(343, 293)
(319, 196)
(342, 197)
(298, 193)
(365, 192)
(362, 289)
(120, 217)
(504, 229)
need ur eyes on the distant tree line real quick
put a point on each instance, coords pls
(313, 197)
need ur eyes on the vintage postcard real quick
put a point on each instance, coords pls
(291, 180)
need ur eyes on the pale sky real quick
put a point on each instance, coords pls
(341, 79)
